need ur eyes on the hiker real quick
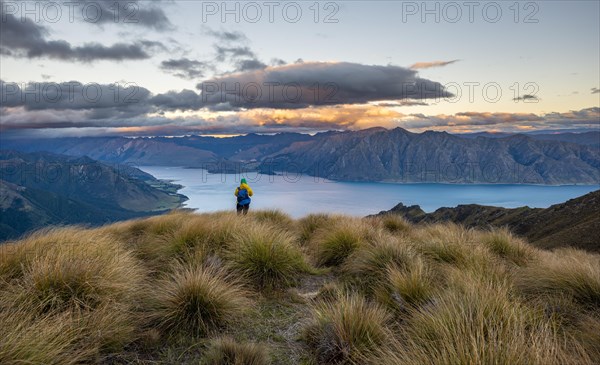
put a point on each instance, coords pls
(243, 193)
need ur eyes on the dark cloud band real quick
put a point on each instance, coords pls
(317, 83)
(27, 39)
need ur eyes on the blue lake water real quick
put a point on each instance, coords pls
(301, 195)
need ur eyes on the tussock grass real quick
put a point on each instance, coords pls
(311, 223)
(276, 218)
(503, 243)
(171, 288)
(343, 331)
(77, 289)
(449, 243)
(392, 223)
(226, 227)
(13, 256)
(569, 272)
(587, 332)
(332, 245)
(368, 266)
(197, 300)
(413, 285)
(226, 351)
(69, 269)
(479, 324)
(266, 257)
(48, 339)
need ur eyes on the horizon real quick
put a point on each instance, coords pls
(134, 68)
(226, 136)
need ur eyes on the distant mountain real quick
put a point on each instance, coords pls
(375, 154)
(379, 154)
(39, 189)
(131, 151)
(584, 138)
(575, 223)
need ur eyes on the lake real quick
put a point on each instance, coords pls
(299, 195)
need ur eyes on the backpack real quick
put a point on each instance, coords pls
(242, 195)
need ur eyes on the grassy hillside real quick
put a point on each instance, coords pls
(574, 223)
(221, 289)
(41, 189)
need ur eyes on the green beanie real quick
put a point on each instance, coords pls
(243, 181)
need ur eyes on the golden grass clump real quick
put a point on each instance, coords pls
(72, 268)
(274, 217)
(197, 300)
(333, 244)
(13, 256)
(564, 272)
(48, 339)
(475, 323)
(78, 289)
(313, 222)
(345, 330)
(446, 243)
(504, 244)
(225, 227)
(368, 266)
(226, 351)
(266, 258)
(413, 285)
(392, 223)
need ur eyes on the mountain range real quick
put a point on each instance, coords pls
(574, 223)
(375, 154)
(40, 189)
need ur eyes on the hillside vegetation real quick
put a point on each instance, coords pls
(41, 189)
(185, 288)
(574, 223)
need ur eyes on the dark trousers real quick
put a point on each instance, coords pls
(242, 208)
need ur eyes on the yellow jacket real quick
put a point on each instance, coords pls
(244, 186)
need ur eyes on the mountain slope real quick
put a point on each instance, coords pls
(575, 223)
(583, 138)
(131, 151)
(398, 155)
(40, 189)
(375, 154)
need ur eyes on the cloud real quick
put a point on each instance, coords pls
(482, 121)
(249, 65)
(226, 36)
(595, 90)
(89, 102)
(423, 65)
(173, 100)
(317, 83)
(401, 103)
(130, 12)
(185, 68)
(225, 53)
(162, 115)
(27, 39)
(527, 97)
(364, 102)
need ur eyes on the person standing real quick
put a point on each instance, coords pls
(243, 194)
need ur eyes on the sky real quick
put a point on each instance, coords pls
(144, 68)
